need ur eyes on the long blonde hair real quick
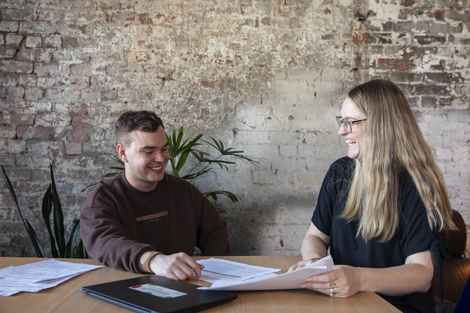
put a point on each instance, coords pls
(393, 143)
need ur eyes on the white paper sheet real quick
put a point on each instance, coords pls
(37, 276)
(219, 269)
(290, 280)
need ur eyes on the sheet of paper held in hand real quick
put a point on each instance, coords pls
(290, 280)
(219, 269)
(37, 276)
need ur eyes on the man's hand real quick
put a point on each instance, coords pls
(179, 266)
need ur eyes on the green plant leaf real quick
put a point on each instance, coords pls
(197, 174)
(59, 229)
(89, 187)
(72, 239)
(219, 146)
(111, 174)
(46, 213)
(228, 194)
(29, 229)
(34, 240)
(81, 251)
(114, 157)
(11, 190)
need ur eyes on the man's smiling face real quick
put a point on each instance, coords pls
(145, 158)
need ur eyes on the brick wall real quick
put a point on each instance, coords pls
(267, 77)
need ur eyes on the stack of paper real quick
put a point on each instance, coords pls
(289, 280)
(219, 269)
(38, 276)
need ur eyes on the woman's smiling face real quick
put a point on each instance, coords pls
(355, 139)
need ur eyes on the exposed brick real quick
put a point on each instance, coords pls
(13, 40)
(40, 132)
(413, 101)
(77, 135)
(16, 66)
(388, 26)
(83, 69)
(53, 94)
(43, 28)
(430, 89)
(406, 77)
(82, 121)
(73, 148)
(428, 102)
(445, 101)
(51, 119)
(8, 79)
(109, 95)
(35, 55)
(18, 14)
(14, 93)
(457, 16)
(438, 77)
(404, 26)
(7, 52)
(90, 95)
(71, 95)
(427, 40)
(47, 69)
(25, 119)
(70, 42)
(53, 41)
(27, 80)
(33, 42)
(399, 64)
(33, 94)
(79, 82)
(7, 131)
(9, 26)
(408, 3)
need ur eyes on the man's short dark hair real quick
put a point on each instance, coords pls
(129, 121)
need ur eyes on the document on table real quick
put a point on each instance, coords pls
(290, 280)
(37, 276)
(219, 269)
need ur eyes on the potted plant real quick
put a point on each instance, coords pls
(60, 246)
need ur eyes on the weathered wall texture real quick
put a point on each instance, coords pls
(264, 76)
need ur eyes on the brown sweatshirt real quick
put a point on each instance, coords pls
(120, 223)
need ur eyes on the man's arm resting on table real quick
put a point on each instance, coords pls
(179, 266)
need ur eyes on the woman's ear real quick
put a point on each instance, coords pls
(121, 150)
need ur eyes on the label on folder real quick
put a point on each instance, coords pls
(158, 291)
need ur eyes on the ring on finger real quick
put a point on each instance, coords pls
(332, 292)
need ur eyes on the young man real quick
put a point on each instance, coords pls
(143, 220)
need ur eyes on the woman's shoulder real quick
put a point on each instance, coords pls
(342, 166)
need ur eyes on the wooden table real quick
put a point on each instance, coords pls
(68, 297)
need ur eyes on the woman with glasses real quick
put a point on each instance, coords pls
(382, 210)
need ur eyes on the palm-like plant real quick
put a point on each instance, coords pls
(181, 149)
(60, 248)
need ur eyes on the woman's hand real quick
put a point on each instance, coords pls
(344, 281)
(302, 264)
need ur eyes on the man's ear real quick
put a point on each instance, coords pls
(121, 150)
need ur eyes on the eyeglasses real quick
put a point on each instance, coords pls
(347, 123)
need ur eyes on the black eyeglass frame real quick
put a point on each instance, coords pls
(347, 123)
